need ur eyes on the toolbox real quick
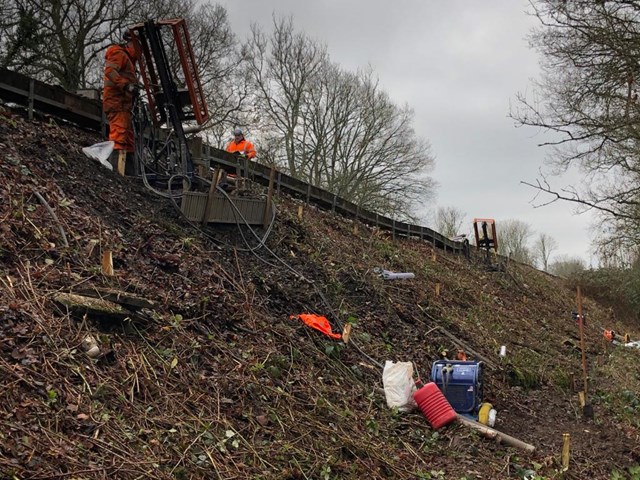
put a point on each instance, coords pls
(461, 384)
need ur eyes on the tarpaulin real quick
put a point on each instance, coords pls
(318, 322)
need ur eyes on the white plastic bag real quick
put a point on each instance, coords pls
(397, 379)
(100, 152)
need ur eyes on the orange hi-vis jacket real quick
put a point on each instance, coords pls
(119, 71)
(244, 146)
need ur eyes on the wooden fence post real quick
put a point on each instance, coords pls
(31, 99)
(267, 207)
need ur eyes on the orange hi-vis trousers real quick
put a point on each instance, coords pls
(121, 130)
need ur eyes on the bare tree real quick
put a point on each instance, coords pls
(219, 60)
(588, 99)
(543, 248)
(566, 266)
(381, 164)
(60, 41)
(63, 41)
(281, 68)
(513, 238)
(616, 246)
(331, 111)
(341, 131)
(449, 221)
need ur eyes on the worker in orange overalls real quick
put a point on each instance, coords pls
(241, 145)
(120, 87)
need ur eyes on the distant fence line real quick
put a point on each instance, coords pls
(87, 112)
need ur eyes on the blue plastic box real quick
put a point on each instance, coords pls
(461, 384)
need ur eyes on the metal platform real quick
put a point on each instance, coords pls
(194, 207)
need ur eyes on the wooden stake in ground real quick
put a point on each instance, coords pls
(107, 263)
(346, 333)
(267, 208)
(566, 440)
(122, 161)
(582, 399)
(587, 409)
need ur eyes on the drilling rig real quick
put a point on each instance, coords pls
(174, 96)
(175, 107)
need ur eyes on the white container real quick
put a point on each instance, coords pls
(503, 351)
(492, 417)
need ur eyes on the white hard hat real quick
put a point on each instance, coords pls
(237, 131)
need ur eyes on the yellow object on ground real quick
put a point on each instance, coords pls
(483, 414)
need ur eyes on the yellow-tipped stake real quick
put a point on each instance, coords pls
(346, 333)
(587, 409)
(107, 263)
(566, 441)
(122, 161)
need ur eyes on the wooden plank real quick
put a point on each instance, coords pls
(212, 190)
(221, 210)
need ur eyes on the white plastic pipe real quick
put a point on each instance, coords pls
(387, 275)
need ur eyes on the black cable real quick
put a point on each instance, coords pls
(237, 213)
(310, 282)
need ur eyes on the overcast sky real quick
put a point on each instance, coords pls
(459, 65)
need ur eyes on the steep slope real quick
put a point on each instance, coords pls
(214, 380)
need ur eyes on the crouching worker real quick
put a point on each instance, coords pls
(120, 87)
(240, 145)
(243, 149)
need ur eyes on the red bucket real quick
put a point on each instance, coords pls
(434, 406)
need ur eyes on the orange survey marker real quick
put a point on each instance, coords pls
(318, 322)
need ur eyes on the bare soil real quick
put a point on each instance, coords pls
(217, 381)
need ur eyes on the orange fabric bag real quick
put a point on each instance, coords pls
(319, 323)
